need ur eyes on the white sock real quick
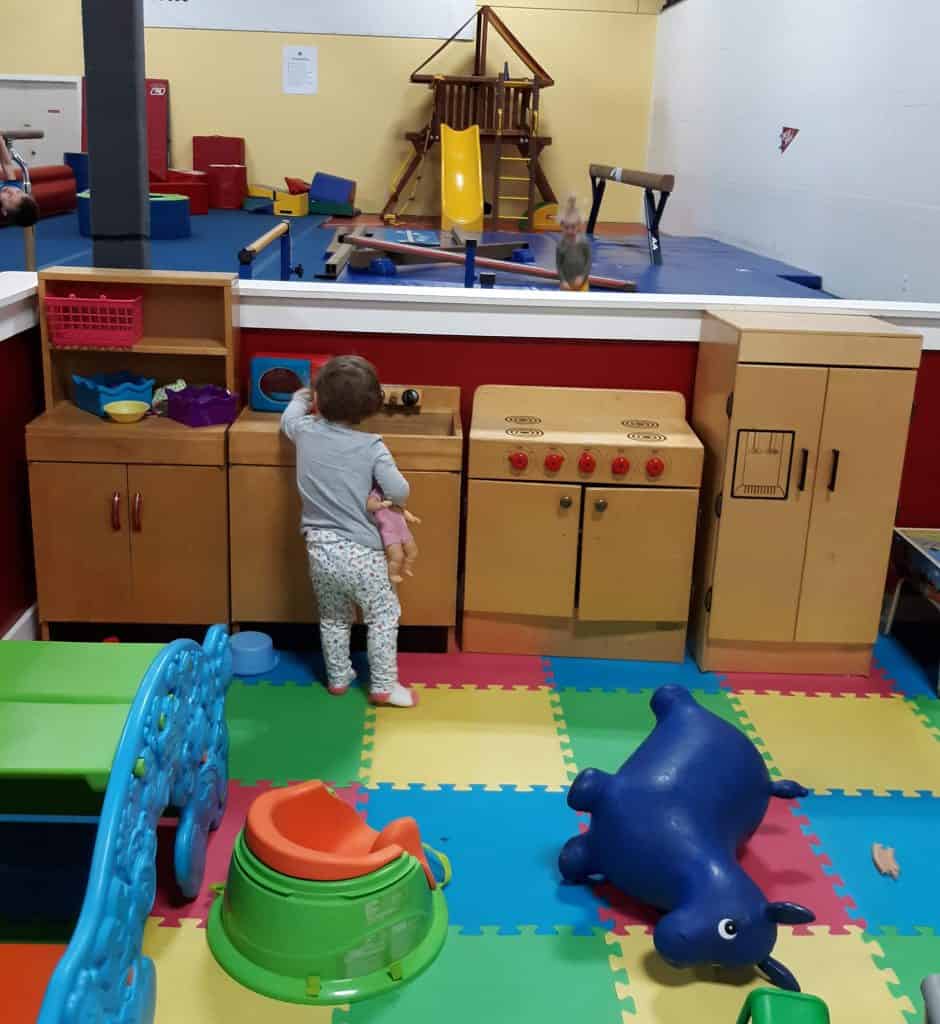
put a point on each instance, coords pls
(397, 697)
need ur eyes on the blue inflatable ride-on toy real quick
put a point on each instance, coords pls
(666, 830)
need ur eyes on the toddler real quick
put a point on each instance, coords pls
(573, 255)
(15, 205)
(337, 468)
(392, 521)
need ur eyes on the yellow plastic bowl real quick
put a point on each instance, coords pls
(126, 412)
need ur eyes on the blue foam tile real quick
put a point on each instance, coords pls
(504, 849)
(905, 672)
(847, 826)
(630, 676)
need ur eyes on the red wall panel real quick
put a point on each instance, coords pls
(20, 401)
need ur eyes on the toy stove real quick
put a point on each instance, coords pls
(582, 505)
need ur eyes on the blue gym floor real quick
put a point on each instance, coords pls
(691, 266)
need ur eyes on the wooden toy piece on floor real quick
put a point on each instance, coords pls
(885, 861)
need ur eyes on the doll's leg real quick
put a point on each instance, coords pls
(395, 556)
(410, 550)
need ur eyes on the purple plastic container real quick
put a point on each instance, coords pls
(202, 406)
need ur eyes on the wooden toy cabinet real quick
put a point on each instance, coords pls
(805, 420)
(270, 577)
(130, 521)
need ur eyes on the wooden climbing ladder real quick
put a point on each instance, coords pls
(507, 113)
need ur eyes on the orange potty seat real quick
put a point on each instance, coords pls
(306, 831)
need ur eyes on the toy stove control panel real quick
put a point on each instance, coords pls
(580, 435)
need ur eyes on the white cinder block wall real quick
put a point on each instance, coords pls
(856, 197)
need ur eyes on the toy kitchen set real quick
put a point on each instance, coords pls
(581, 519)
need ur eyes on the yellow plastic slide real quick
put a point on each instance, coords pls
(461, 179)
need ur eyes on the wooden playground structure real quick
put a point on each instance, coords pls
(507, 113)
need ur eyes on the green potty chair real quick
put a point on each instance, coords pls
(319, 908)
(776, 1006)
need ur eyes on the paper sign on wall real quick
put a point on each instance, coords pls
(299, 71)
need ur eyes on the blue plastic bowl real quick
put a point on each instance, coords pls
(252, 653)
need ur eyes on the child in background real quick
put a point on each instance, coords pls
(337, 468)
(392, 521)
(573, 255)
(16, 207)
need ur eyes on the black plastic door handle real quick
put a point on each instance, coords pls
(834, 472)
(804, 462)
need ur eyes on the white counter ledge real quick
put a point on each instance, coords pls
(501, 313)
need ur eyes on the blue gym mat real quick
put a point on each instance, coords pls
(214, 244)
(692, 266)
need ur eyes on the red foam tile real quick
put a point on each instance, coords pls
(874, 685)
(458, 669)
(25, 970)
(780, 860)
(169, 903)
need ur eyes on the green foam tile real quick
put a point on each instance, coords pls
(552, 979)
(290, 733)
(912, 958)
(604, 727)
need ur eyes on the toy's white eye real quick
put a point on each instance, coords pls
(727, 928)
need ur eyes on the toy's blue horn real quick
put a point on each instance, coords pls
(789, 913)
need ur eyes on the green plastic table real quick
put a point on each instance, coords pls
(62, 710)
(776, 1006)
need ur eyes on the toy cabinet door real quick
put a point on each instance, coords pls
(179, 543)
(767, 493)
(522, 547)
(81, 534)
(270, 578)
(429, 598)
(861, 455)
(636, 554)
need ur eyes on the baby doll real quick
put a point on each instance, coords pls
(573, 255)
(392, 521)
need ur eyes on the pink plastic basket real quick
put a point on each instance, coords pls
(94, 322)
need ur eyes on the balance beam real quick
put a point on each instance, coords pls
(21, 134)
(459, 258)
(246, 256)
(653, 209)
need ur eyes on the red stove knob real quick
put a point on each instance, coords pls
(519, 460)
(655, 466)
(620, 466)
(553, 462)
(587, 462)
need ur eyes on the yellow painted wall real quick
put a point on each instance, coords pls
(229, 83)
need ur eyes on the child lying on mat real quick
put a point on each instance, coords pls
(16, 207)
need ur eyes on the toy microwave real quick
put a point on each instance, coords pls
(275, 376)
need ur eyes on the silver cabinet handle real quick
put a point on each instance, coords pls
(565, 502)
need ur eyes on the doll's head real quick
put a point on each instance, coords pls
(570, 220)
(347, 390)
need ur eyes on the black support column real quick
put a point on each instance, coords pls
(113, 32)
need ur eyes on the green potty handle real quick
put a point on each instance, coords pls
(777, 1006)
(322, 943)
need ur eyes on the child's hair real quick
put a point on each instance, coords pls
(26, 212)
(348, 389)
(571, 214)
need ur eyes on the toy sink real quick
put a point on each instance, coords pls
(428, 436)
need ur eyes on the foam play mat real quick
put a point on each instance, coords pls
(483, 763)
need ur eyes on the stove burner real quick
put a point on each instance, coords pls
(520, 432)
(641, 424)
(523, 419)
(647, 437)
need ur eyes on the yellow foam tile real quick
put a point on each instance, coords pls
(467, 736)
(837, 968)
(193, 989)
(849, 743)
